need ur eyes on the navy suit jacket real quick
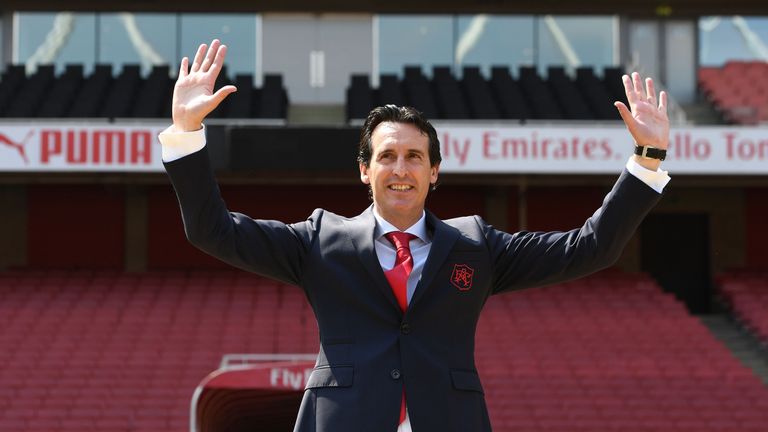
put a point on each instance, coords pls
(369, 349)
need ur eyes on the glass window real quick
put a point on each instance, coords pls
(415, 40)
(57, 38)
(577, 41)
(141, 38)
(238, 32)
(723, 38)
(487, 41)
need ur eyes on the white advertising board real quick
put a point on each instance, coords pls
(74, 147)
(597, 150)
(114, 147)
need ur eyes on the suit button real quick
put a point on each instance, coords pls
(395, 374)
(405, 328)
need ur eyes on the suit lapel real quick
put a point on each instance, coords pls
(361, 231)
(443, 238)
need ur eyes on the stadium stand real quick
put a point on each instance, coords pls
(746, 293)
(273, 103)
(360, 97)
(91, 97)
(62, 92)
(596, 94)
(559, 97)
(568, 95)
(128, 95)
(479, 96)
(419, 92)
(154, 94)
(541, 100)
(107, 351)
(122, 95)
(738, 90)
(12, 79)
(512, 103)
(30, 94)
(448, 95)
(390, 90)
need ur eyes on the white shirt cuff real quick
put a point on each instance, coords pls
(176, 145)
(655, 179)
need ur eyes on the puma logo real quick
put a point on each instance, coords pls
(16, 145)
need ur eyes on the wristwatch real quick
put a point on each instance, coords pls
(649, 152)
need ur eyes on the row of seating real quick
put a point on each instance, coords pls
(529, 96)
(43, 94)
(738, 90)
(746, 293)
(107, 351)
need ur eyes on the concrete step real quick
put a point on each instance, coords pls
(316, 115)
(744, 346)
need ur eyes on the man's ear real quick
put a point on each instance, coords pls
(433, 173)
(364, 174)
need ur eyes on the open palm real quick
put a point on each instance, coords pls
(647, 122)
(193, 95)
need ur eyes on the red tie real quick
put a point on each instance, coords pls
(398, 280)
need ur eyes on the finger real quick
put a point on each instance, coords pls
(663, 102)
(222, 93)
(184, 67)
(218, 62)
(625, 114)
(628, 90)
(638, 84)
(198, 57)
(650, 91)
(211, 55)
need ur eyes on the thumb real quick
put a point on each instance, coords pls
(624, 113)
(222, 93)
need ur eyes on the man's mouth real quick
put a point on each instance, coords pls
(400, 187)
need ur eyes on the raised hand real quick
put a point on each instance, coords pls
(647, 122)
(193, 96)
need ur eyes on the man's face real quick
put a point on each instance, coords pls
(399, 172)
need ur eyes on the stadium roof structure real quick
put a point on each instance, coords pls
(672, 8)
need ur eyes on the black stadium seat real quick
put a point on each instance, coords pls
(13, 79)
(538, 94)
(90, 99)
(122, 95)
(27, 100)
(596, 94)
(273, 103)
(63, 92)
(509, 97)
(154, 93)
(571, 99)
(242, 101)
(360, 97)
(451, 103)
(612, 81)
(418, 91)
(478, 94)
(221, 81)
(390, 90)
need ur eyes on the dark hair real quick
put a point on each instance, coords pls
(397, 114)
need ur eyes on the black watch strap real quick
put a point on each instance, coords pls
(650, 152)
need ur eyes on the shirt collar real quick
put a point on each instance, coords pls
(419, 229)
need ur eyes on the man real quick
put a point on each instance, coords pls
(397, 292)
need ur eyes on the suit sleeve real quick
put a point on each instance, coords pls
(530, 259)
(269, 248)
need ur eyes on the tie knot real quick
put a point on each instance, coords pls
(400, 239)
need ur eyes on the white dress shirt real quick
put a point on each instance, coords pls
(176, 145)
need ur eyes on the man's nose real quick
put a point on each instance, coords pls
(399, 168)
